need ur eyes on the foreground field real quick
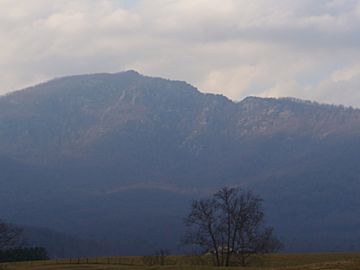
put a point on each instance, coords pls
(334, 261)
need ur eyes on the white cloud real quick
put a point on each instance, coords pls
(303, 48)
(346, 74)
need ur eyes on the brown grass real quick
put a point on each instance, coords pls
(334, 261)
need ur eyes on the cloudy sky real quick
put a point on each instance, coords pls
(302, 48)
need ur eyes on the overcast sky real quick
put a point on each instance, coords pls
(308, 49)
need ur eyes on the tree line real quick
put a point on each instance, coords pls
(12, 249)
(23, 254)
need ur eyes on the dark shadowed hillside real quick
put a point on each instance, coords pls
(116, 158)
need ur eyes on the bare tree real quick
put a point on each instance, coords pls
(9, 235)
(230, 224)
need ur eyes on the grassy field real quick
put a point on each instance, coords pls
(334, 261)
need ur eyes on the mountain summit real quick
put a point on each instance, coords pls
(116, 158)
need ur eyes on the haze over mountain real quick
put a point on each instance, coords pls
(115, 159)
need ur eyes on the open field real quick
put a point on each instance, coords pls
(334, 261)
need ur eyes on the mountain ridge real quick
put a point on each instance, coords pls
(126, 148)
(136, 73)
(131, 81)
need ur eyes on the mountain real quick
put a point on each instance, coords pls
(117, 158)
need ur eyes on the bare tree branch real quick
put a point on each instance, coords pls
(230, 223)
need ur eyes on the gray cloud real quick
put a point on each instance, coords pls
(234, 47)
